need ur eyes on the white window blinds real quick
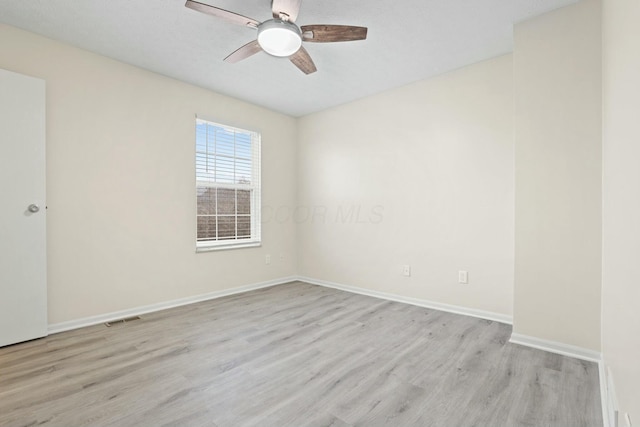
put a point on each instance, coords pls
(227, 186)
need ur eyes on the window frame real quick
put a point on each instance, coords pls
(254, 187)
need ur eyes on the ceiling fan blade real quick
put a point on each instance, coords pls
(244, 52)
(332, 33)
(303, 61)
(290, 8)
(221, 13)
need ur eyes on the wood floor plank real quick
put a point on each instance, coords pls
(294, 355)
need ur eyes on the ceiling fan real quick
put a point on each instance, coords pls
(280, 36)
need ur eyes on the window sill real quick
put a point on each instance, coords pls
(222, 247)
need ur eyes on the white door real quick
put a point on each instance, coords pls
(23, 256)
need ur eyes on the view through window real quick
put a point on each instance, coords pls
(227, 186)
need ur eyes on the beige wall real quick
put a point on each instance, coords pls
(621, 250)
(557, 74)
(120, 176)
(421, 175)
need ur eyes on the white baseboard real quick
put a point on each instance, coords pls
(556, 347)
(55, 328)
(606, 421)
(496, 317)
(610, 411)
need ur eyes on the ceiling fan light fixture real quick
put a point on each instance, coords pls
(279, 38)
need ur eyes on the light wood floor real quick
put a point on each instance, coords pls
(294, 355)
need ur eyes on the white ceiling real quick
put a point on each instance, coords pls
(408, 40)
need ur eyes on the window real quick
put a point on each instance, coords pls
(227, 186)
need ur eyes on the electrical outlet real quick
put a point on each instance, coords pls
(463, 276)
(281, 257)
(267, 259)
(406, 270)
